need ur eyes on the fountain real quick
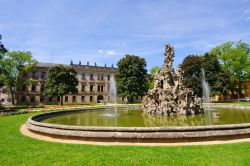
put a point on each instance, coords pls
(205, 90)
(112, 96)
(169, 95)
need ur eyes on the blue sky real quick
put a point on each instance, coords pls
(104, 31)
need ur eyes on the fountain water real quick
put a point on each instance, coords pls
(205, 90)
(112, 96)
(113, 91)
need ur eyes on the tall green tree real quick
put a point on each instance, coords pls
(153, 71)
(191, 67)
(215, 76)
(235, 59)
(61, 81)
(14, 64)
(3, 50)
(132, 79)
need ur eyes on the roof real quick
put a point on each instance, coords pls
(48, 65)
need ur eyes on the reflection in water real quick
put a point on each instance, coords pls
(181, 120)
(136, 118)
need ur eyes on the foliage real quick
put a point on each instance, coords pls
(132, 79)
(3, 50)
(235, 59)
(222, 84)
(13, 65)
(191, 67)
(213, 72)
(61, 81)
(151, 76)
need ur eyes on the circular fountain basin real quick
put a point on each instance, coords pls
(132, 125)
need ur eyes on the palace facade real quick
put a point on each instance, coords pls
(93, 86)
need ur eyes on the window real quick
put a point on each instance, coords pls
(66, 99)
(22, 99)
(91, 98)
(33, 87)
(42, 98)
(83, 76)
(25, 75)
(35, 74)
(108, 77)
(74, 98)
(43, 75)
(24, 88)
(83, 88)
(91, 88)
(42, 88)
(32, 99)
(100, 76)
(91, 76)
(50, 99)
(100, 89)
(82, 99)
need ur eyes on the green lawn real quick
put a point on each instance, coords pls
(56, 107)
(241, 103)
(16, 149)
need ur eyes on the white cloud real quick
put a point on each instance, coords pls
(111, 53)
(108, 53)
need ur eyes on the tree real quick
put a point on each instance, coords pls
(235, 59)
(3, 50)
(191, 67)
(132, 80)
(13, 65)
(215, 76)
(151, 76)
(212, 70)
(61, 81)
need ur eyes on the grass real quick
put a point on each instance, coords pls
(241, 103)
(56, 107)
(16, 149)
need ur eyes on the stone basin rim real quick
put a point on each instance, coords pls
(34, 121)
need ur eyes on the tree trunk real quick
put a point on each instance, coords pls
(12, 96)
(16, 97)
(17, 93)
(131, 99)
(61, 100)
(238, 95)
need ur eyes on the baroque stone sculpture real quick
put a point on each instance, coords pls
(169, 95)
